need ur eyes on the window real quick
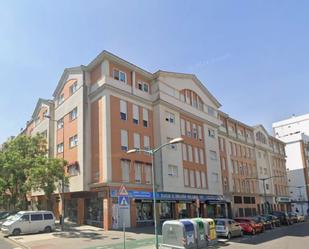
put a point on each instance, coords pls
(211, 133)
(267, 186)
(265, 171)
(73, 169)
(148, 174)
(73, 114)
(143, 86)
(196, 158)
(146, 143)
(60, 123)
(73, 141)
(194, 131)
(211, 111)
(188, 126)
(137, 141)
(25, 217)
(203, 176)
(73, 88)
(119, 75)
(36, 217)
(200, 135)
(124, 140)
(60, 148)
(135, 114)
(186, 177)
(48, 217)
(192, 181)
(138, 172)
(184, 152)
(201, 156)
(190, 153)
(61, 99)
(223, 163)
(125, 170)
(215, 177)
(183, 127)
(173, 170)
(198, 179)
(171, 146)
(123, 110)
(213, 155)
(145, 117)
(170, 117)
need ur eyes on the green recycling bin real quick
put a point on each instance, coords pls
(201, 238)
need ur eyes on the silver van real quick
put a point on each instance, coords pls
(29, 222)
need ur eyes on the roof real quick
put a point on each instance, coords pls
(38, 106)
(192, 77)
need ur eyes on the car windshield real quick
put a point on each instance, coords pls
(220, 222)
(15, 217)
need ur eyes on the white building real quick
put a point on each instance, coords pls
(295, 133)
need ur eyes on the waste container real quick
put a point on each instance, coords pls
(178, 234)
(210, 230)
(201, 237)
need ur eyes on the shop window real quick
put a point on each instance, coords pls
(237, 199)
(71, 209)
(144, 211)
(183, 211)
(94, 212)
(166, 210)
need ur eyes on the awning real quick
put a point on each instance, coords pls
(214, 202)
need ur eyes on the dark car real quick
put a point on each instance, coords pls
(273, 219)
(283, 217)
(267, 224)
(293, 217)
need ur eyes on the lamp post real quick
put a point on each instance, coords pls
(152, 152)
(62, 180)
(264, 188)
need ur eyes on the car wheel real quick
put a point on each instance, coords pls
(47, 229)
(16, 232)
(253, 232)
(229, 236)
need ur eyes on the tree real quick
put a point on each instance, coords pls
(24, 166)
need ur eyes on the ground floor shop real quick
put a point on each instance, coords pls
(101, 207)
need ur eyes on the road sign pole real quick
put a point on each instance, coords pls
(124, 231)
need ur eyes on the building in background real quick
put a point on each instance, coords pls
(102, 110)
(294, 132)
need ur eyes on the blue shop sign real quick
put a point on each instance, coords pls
(169, 196)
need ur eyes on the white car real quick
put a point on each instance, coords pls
(228, 228)
(29, 222)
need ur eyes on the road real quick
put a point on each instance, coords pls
(7, 244)
(285, 237)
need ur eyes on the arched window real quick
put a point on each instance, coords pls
(191, 98)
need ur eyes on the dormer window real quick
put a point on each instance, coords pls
(73, 88)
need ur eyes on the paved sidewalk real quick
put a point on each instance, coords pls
(88, 237)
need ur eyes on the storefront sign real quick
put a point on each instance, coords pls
(169, 196)
(283, 199)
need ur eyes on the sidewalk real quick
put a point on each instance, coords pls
(88, 237)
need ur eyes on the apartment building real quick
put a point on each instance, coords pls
(294, 132)
(102, 110)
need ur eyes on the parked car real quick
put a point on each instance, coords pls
(283, 217)
(273, 219)
(228, 228)
(29, 222)
(293, 217)
(300, 218)
(267, 224)
(249, 225)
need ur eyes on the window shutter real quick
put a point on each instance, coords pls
(123, 106)
(145, 114)
(135, 112)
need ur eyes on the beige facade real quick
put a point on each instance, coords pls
(110, 106)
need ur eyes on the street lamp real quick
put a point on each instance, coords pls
(151, 152)
(264, 188)
(62, 180)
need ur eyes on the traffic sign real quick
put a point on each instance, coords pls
(123, 202)
(122, 191)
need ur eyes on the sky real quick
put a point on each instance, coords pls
(251, 55)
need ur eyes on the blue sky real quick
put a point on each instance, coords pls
(252, 55)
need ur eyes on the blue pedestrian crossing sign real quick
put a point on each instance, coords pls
(123, 202)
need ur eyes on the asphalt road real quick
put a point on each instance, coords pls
(284, 237)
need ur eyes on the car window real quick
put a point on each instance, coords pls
(230, 222)
(25, 217)
(48, 216)
(220, 222)
(36, 217)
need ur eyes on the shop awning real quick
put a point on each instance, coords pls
(213, 202)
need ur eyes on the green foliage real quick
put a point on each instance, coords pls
(24, 166)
